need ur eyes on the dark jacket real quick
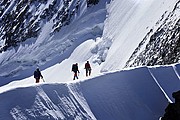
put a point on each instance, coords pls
(75, 68)
(37, 74)
(87, 66)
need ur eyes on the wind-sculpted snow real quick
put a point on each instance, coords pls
(53, 102)
(136, 94)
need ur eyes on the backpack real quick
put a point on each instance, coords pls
(74, 67)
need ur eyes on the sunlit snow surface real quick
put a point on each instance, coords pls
(110, 93)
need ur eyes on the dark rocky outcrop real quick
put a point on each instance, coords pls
(172, 112)
(23, 19)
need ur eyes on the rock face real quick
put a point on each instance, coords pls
(172, 112)
(160, 47)
(23, 19)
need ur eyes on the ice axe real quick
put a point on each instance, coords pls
(43, 79)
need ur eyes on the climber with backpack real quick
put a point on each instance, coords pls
(75, 70)
(38, 75)
(88, 68)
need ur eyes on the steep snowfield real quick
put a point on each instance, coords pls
(126, 29)
(138, 94)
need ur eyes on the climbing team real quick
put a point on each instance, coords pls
(75, 70)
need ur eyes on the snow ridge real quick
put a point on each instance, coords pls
(126, 95)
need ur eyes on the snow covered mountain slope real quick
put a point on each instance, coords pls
(50, 47)
(138, 94)
(126, 29)
(117, 23)
(106, 34)
(162, 46)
